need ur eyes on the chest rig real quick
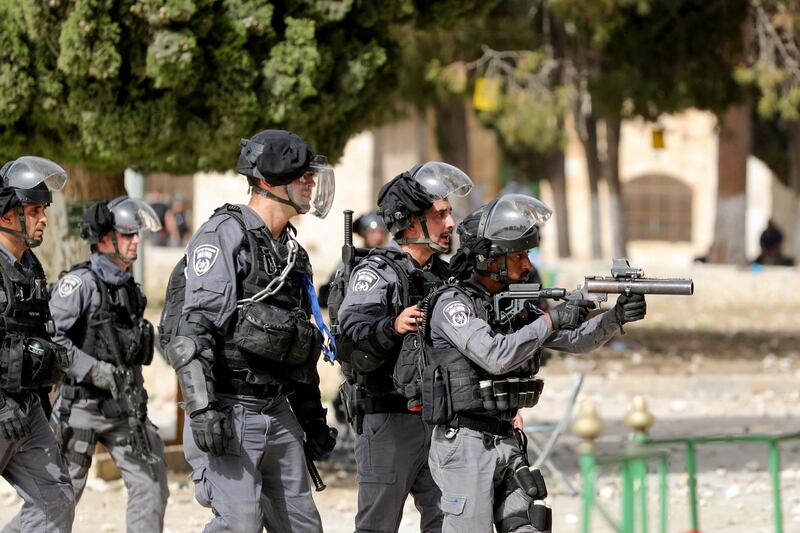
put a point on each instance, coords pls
(453, 384)
(372, 368)
(116, 332)
(27, 357)
(269, 341)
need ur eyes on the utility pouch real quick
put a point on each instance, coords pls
(406, 374)
(307, 342)
(266, 331)
(535, 388)
(434, 395)
(145, 354)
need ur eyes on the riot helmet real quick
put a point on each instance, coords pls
(367, 224)
(125, 215)
(411, 193)
(280, 158)
(506, 225)
(29, 180)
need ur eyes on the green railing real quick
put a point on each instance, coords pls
(634, 464)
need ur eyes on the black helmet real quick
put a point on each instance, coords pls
(123, 214)
(506, 225)
(29, 180)
(414, 191)
(368, 222)
(281, 157)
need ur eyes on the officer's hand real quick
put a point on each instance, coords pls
(211, 431)
(570, 314)
(14, 423)
(320, 439)
(102, 376)
(407, 320)
(630, 308)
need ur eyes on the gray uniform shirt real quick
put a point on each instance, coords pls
(77, 295)
(454, 323)
(373, 296)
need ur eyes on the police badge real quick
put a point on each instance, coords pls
(457, 314)
(204, 257)
(68, 284)
(365, 280)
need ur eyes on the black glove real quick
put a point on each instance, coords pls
(630, 308)
(14, 423)
(570, 314)
(211, 431)
(320, 439)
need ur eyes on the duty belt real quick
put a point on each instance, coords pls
(240, 388)
(493, 426)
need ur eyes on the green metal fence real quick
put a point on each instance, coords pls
(634, 467)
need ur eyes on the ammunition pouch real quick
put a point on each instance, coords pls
(80, 446)
(276, 334)
(30, 363)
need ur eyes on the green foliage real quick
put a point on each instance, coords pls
(172, 85)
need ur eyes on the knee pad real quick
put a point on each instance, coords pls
(537, 515)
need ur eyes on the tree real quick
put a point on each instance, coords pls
(172, 85)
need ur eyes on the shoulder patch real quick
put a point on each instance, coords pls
(457, 313)
(68, 284)
(365, 280)
(203, 258)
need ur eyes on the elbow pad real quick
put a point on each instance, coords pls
(193, 376)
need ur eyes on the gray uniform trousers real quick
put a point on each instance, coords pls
(35, 468)
(392, 461)
(467, 470)
(147, 497)
(261, 481)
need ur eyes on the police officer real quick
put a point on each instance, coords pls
(379, 308)
(245, 344)
(481, 372)
(29, 457)
(98, 310)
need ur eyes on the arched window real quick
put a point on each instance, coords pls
(658, 208)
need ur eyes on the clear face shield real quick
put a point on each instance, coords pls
(132, 215)
(313, 192)
(27, 175)
(512, 223)
(443, 181)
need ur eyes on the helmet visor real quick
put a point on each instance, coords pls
(29, 171)
(442, 180)
(132, 215)
(514, 220)
(313, 192)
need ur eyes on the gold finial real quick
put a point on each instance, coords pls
(588, 425)
(639, 418)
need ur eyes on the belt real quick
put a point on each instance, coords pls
(238, 387)
(386, 404)
(493, 426)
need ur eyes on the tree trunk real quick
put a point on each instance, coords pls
(59, 250)
(377, 161)
(452, 134)
(794, 183)
(558, 182)
(587, 132)
(734, 148)
(619, 238)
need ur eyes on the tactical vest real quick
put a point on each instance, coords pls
(266, 340)
(452, 383)
(116, 332)
(414, 284)
(27, 357)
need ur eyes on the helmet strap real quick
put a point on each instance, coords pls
(425, 239)
(30, 242)
(116, 254)
(287, 201)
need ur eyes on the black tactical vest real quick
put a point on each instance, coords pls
(268, 258)
(25, 313)
(452, 382)
(116, 332)
(414, 284)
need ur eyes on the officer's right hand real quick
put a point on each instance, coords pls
(102, 376)
(211, 431)
(407, 320)
(14, 423)
(570, 314)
